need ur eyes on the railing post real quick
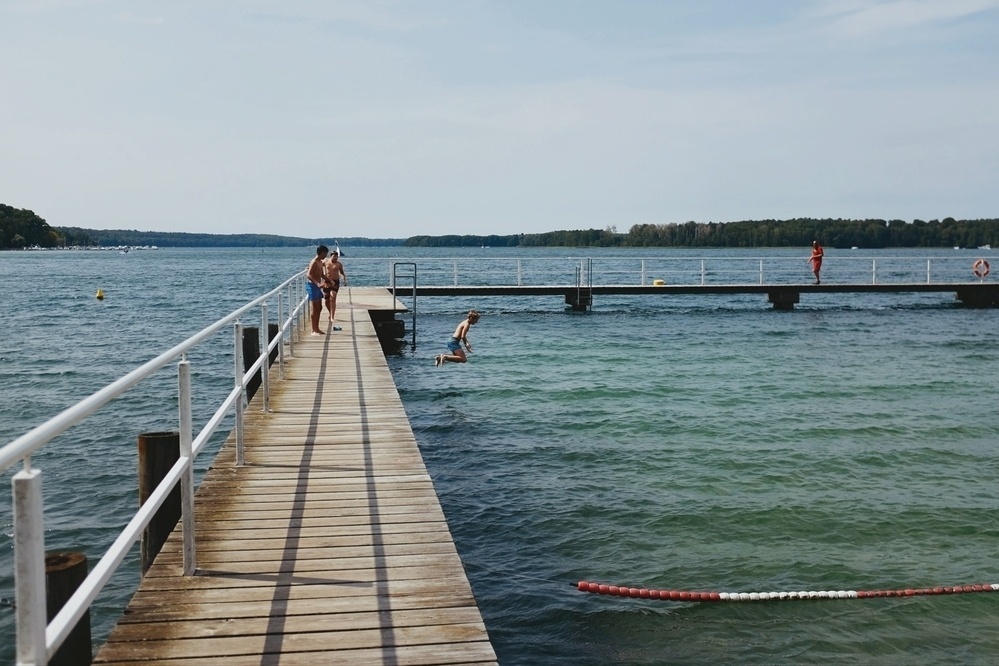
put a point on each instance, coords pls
(874, 271)
(456, 272)
(294, 319)
(240, 404)
(702, 272)
(303, 315)
(281, 333)
(265, 350)
(642, 282)
(29, 566)
(761, 271)
(187, 480)
(927, 271)
(520, 280)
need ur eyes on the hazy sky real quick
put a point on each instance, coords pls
(389, 119)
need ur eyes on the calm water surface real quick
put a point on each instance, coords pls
(691, 443)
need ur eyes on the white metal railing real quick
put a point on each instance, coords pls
(37, 640)
(692, 270)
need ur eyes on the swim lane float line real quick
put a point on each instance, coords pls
(683, 595)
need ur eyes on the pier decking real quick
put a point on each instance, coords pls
(328, 546)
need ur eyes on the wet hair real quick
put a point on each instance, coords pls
(473, 315)
(321, 249)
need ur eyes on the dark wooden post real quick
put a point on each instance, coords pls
(158, 452)
(251, 350)
(272, 332)
(63, 574)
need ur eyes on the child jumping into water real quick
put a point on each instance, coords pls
(460, 337)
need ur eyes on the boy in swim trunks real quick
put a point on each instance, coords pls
(460, 337)
(314, 286)
(334, 271)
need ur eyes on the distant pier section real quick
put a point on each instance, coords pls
(579, 281)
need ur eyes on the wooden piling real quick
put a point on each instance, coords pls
(158, 452)
(64, 572)
(251, 350)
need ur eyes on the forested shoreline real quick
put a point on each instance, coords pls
(872, 234)
(21, 229)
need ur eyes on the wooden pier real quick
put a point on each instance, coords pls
(328, 546)
(782, 296)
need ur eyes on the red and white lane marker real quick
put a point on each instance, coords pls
(683, 595)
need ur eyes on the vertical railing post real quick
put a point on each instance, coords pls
(874, 271)
(761, 271)
(186, 452)
(520, 275)
(281, 333)
(238, 373)
(294, 318)
(456, 272)
(303, 310)
(927, 271)
(29, 565)
(264, 348)
(642, 282)
(702, 272)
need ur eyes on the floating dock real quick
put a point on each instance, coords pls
(328, 546)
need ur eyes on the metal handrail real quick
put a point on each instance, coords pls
(38, 641)
(691, 269)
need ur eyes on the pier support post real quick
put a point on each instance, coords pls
(579, 299)
(158, 452)
(783, 299)
(979, 296)
(251, 350)
(64, 572)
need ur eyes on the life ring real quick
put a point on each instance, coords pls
(980, 268)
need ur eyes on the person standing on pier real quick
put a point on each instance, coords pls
(334, 272)
(314, 286)
(460, 337)
(816, 260)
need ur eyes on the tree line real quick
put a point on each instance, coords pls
(20, 228)
(870, 234)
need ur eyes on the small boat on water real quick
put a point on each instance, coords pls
(985, 247)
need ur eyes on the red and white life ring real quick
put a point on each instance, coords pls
(980, 268)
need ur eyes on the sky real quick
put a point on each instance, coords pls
(383, 119)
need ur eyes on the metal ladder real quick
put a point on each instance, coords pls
(395, 278)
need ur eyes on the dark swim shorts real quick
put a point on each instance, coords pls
(454, 344)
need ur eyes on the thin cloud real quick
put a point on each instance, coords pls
(853, 19)
(139, 20)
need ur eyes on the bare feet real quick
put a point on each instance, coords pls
(318, 333)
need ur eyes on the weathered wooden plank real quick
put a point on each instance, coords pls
(471, 653)
(386, 638)
(322, 618)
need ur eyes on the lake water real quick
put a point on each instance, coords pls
(688, 442)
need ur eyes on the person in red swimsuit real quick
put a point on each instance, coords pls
(816, 260)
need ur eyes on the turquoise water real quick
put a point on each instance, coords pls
(703, 443)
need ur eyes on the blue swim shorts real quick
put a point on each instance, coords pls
(315, 293)
(454, 344)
